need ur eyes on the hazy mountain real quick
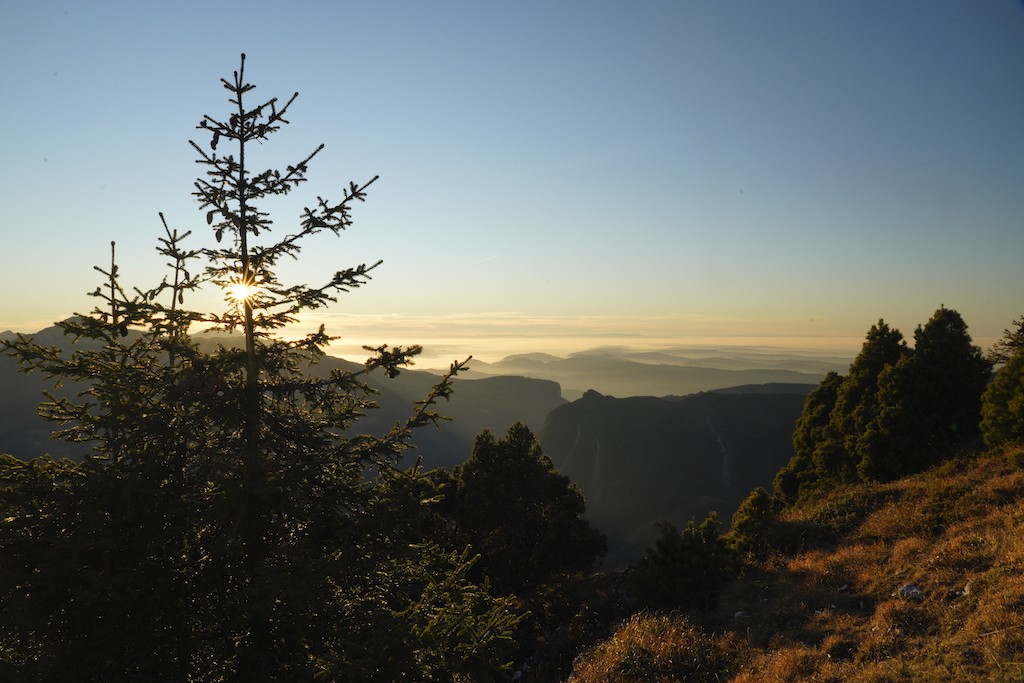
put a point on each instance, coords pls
(488, 402)
(620, 372)
(640, 461)
(22, 432)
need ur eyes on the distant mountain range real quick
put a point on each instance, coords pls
(493, 403)
(621, 372)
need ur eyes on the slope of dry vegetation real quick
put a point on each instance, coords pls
(921, 579)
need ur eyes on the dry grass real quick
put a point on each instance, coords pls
(647, 649)
(833, 611)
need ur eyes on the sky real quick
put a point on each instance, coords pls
(554, 176)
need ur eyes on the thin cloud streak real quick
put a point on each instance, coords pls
(483, 260)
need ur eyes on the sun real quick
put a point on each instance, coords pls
(239, 291)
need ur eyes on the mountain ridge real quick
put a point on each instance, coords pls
(493, 403)
(678, 371)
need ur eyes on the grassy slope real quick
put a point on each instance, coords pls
(829, 608)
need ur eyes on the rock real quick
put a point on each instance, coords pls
(910, 592)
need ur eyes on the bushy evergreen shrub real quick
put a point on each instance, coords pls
(686, 568)
(751, 528)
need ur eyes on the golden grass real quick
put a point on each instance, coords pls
(834, 613)
(647, 649)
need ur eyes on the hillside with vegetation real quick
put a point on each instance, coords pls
(919, 579)
(890, 549)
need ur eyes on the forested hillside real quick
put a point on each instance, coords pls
(890, 549)
(920, 579)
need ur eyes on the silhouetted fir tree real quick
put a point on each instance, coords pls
(929, 403)
(226, 524)
(1002, 404)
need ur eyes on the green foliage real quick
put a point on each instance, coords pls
(929, 401)
(455, 626)
(812, 429)
(220, 526)
(897, 411)
(857, 402)
(686, 568)
(523, 517)
(1002, 409)
(829, 436)
(751, 527)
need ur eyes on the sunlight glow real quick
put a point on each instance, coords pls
(239, 291)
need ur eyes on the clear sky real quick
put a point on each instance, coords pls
(554, 175)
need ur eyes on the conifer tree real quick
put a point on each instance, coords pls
(804, 471)
(523, 517)
(1002, 409)
(686, 568)
(857, 398)
(750, 529)
(1007, 345)
(929, 403)
(226, 524)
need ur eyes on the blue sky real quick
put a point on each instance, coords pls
(554, 175)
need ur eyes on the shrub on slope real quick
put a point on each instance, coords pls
(916, 579)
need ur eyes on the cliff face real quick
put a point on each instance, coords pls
(640, 461)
